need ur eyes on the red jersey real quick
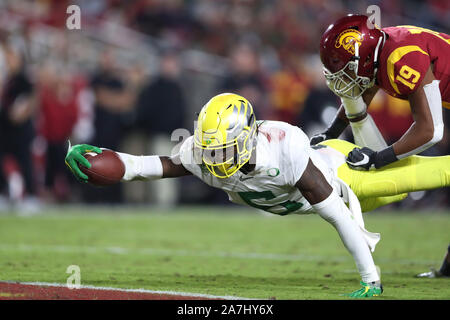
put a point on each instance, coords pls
(406, 57)
(59, 109)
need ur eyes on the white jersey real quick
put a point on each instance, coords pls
(282, 154)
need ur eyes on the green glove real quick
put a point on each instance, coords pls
(75, 156)
(367, 291)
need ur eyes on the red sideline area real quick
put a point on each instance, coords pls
(18, 291)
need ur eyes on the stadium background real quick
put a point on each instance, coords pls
(136, 71)
(139, 69)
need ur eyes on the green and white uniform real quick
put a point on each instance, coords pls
(282, 153)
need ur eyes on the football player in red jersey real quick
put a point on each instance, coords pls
(407, 62)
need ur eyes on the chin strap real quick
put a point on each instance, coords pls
(380, 45)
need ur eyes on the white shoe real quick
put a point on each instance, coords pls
(433, 273)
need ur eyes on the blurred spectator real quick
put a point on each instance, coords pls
(113, 102)
(16, 127)
(245, 78)
(162, 17)
(161, 108)
(321, 104)
(113, 114)
(289, 90)
(57, 96)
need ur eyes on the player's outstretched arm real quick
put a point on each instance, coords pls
(427, 129)
(151, 167)
(136, 167)
(327, 203)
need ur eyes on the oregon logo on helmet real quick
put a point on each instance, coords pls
(347, 40)
(225, 134)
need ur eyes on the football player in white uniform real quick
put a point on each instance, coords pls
(270, 165)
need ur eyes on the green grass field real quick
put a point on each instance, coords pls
(221, 252)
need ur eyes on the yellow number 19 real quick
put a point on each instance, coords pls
(407, 73)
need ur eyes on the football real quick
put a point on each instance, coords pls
(107, 168)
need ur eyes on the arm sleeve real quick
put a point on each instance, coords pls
(334, 210)
(433, 95)
(141, 167)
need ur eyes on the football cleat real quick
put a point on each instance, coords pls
(367, 291)
(433, 273)
(225, 136)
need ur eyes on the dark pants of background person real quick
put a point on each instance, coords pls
(16, 141)
(109, 132)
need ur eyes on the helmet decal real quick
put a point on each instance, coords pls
(234, 116)
(347, 40)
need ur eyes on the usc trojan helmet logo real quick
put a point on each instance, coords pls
(347, 40)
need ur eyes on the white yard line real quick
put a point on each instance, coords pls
(172, 252)
(194, 253)
(172, 293)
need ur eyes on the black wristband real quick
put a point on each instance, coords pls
(336, 128)
(385, 157)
